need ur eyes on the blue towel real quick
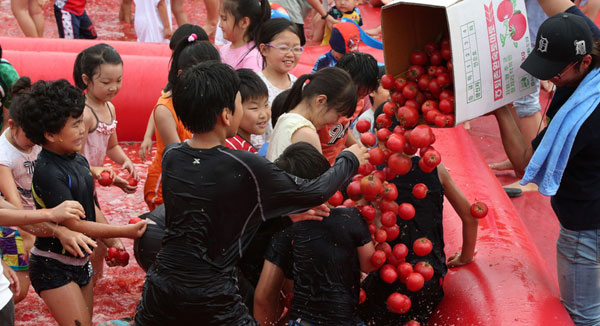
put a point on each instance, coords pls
(549, 160)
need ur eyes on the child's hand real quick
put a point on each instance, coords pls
(97, 171)
(457, 260)
(116, 254)
(360, 152)
(145, 149)
(134, 231)
(12, 278)
(128, 165)
(66, 210)
(313, 214)
(167, 33)
(73, 242)
(124, 185)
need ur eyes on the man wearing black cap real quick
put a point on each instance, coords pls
(564, 159)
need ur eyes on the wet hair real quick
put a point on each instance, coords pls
(22, 84)
(332, 82)
(46, 108)
(278, 106)
(184, 31)
(363, 69)
(201, 94)
(251, 86)
(188, 54)
(88, 62)
(257, 11)
(381, 72)
(302, 160)
(272, 28)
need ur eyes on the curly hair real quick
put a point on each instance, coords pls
(46, 107)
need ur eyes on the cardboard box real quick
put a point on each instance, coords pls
(486, 60)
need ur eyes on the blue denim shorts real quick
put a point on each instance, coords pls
(529, 104)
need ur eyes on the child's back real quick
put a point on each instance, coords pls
(147, 21)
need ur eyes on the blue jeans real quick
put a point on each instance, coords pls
(578, 265)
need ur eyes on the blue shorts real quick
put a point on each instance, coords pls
(529, 104)
(71, 26)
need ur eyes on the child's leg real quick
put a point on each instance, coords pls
(212, 16)
(318, 28)
(97, 259)
(69, 305)
(21, 12)
(125, 11)
(179, 12)
(37, 14)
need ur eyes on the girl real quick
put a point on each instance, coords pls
(30, 16)
(168, 127)
(152, 21)
(329, 95)
(53, 118)
(240, 22)
(279, 44)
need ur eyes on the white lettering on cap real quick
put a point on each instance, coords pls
(579, 47)
(543, 46)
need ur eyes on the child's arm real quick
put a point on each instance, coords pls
(462, 206)
(116, 153)
(266, 296)
(11, 276)
(164, 19)
(146, 146)
(166, 126)
(364, 256)
(518, 151)
(102, 230)
(68, 210)
(308, 135)
(8, 188)
(70, 240)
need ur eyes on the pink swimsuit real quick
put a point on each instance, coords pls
(97, 140)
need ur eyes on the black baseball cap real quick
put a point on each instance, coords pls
(561, 40)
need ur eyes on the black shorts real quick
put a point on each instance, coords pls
(146, 247)
(71, 26)
(7, 314)
(47, 273)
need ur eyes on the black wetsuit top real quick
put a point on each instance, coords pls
(58, 178)
(215, 200)
(322, 259)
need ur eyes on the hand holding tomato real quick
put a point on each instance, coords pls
(360, 152)
(117, 257)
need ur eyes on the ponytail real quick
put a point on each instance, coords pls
(189, 51)
(88, 62)
(295, 96)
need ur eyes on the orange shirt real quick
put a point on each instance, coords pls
(333, 136)
(153, 188)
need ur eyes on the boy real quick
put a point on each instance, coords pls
(215, 200)
(378, 97)
(72, 20)
(255, 101)
(342, 9)
(345, 38)
(362, 67)
(323, 258)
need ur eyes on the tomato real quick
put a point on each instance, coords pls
(418, 58)
(431, 71)
(504, 10)
(388, 206)
(123, 258)
(363, 125)
(392, 260)
(380, 175)
(378, 258)
(392, 232)
(449, 66)
(423, 82)
(368, 212)
(518, 25)
(380, 235)
(372, 228)
(389, 174)
(399, 163)
(376, 156)
(440, 120)
(430, 46)
(112, 253)
(424, 268)
(420, 190)
(366, 169)
(428, 106)
(385, 247)
(388, 273)
(431, 115)
(398, 303)
(388, 218)
(362, 296)
(383, 134)
(134, 220)
(446, 94)
(414, 282)
(450, 119)
(432, 158)
(349, 203)
(409, 92)
(404, 270)
(435, 58)
(390, 192)
(399, 130)
(446, 105)
(389, 108)
(409, 149)
(445, 42)
(400, 251)
(336, 199)
(105, 179)
(353, 190)
(443, 80)
(479, 209)
(367, 139)
(383, 121)
(395, 143)
(434, 88)
(413, 323)
(387, 81)
(400, 83)
(407, 116)
(414, 72)
(398, 98)
(422, 247)
(406, 211)
(421, 136)
(412, 104)
(446, 53)
(424, 167)
(133, 182)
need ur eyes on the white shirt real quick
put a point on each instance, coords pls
(147, 22)
(5, 292)
(287, 125)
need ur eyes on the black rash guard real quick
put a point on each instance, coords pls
(322, 259)
(58, 178)
(215, 200)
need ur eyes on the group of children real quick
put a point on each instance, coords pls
(234, 225)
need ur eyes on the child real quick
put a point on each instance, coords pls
(8, 76)
(193, 277)
(169, 128)
(342, 9)
(240, 22)
(426, 223)
(279, 44)
(378, 97)
(363, 69)
(72, 20)
(345, 38)
(329, 95)
(327, 257)
(53, 118)
(152, 20)
(257, 111)
(30, 16)
(182, 33)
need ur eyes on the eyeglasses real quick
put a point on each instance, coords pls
(286, 49)
(567, 68)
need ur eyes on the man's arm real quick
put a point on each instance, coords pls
(518, 151)
(553, 7)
